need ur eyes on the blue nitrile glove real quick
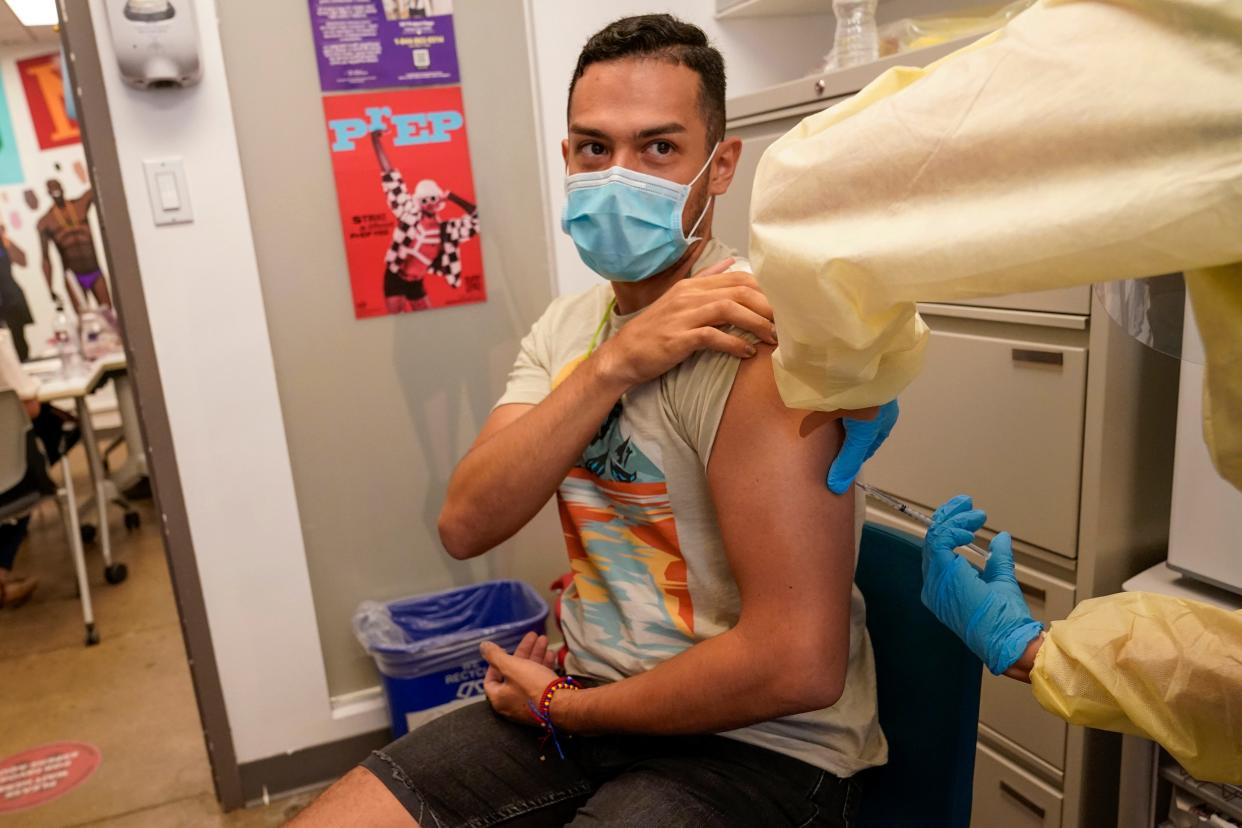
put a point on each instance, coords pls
(862, 438)
(984, 609)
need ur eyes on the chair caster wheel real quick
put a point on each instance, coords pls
(88, 533)
(132, 520)
(116, 573)
(92, 635)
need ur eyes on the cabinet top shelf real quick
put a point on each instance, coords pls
(820, 89)
(774, 8)
(886, 10)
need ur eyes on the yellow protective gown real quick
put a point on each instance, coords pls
(1154, 666)
(1087, 141)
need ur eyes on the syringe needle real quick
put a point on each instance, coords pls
(913, 513)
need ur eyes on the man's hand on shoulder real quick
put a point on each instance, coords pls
(687, 319)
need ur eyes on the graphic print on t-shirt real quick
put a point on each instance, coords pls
(629, 587)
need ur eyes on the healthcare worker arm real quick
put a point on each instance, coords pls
(1042, 156)
(1155, 666)
(1150, 665)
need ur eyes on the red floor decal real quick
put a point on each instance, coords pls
(41, 774)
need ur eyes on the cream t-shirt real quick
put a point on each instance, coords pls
(651, 578)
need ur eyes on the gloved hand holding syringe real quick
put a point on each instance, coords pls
(914, 514)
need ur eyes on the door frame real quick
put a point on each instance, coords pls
(78, 40)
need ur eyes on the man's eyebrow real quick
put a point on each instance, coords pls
(586, 130)
(670, 128)
(663, 129)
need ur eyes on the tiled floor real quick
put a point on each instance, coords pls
(130, 696)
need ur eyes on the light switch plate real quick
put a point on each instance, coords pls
(166, 186)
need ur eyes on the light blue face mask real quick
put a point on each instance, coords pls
(626, 224)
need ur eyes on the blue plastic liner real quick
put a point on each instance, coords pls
(427, 647)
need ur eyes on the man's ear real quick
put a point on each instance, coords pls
(724, 165)
(565, 151)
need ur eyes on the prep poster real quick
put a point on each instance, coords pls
(406, 196)
(374, 44)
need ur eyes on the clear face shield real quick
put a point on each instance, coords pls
(1151, 310)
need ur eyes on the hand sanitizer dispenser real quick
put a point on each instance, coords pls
(156, 42)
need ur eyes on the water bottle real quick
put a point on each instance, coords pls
(94, 343)
(66, 343)
(856, 41)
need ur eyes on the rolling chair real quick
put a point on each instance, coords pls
(927, 688)
(15, 441)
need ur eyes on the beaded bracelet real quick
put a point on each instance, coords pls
(543, 711)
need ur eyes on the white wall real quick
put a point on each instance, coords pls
(424, 390)
(758, 52)
(207, 320)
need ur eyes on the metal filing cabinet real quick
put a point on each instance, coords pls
(1060, 426)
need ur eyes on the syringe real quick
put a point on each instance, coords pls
(912, 513)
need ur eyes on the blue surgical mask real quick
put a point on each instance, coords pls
(626, 224)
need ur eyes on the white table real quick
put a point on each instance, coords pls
(78, 387)
(56, 387)
(48, 370)
(1166, 581)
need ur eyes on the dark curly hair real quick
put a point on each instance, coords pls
(663, 37)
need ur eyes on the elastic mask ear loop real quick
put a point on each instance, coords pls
(690, 237)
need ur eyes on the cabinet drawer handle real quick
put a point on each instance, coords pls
(1034, 592)
(1038, 357)
(1008, 789)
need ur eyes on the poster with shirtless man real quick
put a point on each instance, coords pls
(65, 227)
(406, 197)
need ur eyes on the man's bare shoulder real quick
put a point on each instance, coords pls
(756, 394)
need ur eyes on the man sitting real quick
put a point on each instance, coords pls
(713, 571)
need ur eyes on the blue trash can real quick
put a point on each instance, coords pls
(427, 647)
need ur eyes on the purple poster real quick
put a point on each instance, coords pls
(374, 44)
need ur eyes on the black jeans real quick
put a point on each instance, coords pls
(474, 769)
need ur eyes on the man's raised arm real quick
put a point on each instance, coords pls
(520, 457)
(524, 452)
